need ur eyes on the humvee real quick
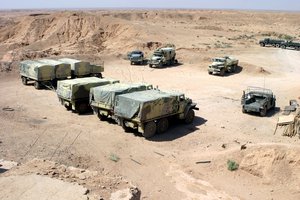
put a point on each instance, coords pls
(256, 99)
(223, 64)
(74, 93)
(150, 111)
(136, 57)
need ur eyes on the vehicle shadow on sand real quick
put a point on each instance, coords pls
(178, 129)
(270, 113)
(238, 70)
(167, 66)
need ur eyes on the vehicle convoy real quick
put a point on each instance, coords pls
(74, 93)
(39, 72)
(62, 70)
(136, 57)
(81, 69)
(102, 98)
(290, 44)
(271, 42)
(149, 111)
(258, 100)
(223, 64)
(163, 56)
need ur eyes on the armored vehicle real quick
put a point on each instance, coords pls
(257, 99)
(150, 111)
(81, 69)
(39, 72)
(222, 65)
(163, 56)
(74, 93)
(271, 42)
(102, 98)
(136, 57)
(62, 70)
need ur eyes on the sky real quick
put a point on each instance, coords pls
(290, 5)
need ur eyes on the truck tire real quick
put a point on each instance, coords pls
(150, 65)
(81, 107)
(162, 125)
(189, 118)
(131, 62)
(263, 112)
(149, 129)
(24, 80)
(101, 116)
(222, 72)
(262, 44)
(283, 46)
(68, 107)
(37, 85)
(277, 45)
(210, 73)
(243, 110)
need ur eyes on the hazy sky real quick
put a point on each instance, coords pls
(293, 5)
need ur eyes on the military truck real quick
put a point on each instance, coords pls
(74, 93)
(150, 111)
(102, 98)
(39, 72)
(271, 42)
(136, 57)
(290, 44)
(256, 99)
(163, 56)
(62, 70)
(80, 69)
(223, 64)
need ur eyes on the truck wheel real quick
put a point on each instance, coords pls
(210, 73)
(243, 110)
(81, 107)
(102, 117)
(162, 125)
(37, 85)
(150, 65)
(233, 68)
(277, 45)
(263, 112)
(222, 72)
(262, 44)
(68, 107)
(24, 80)
(189, 118)
(149, 129)
(283, 47)
(131, 63)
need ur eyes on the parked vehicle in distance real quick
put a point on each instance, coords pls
(256, 99)
(39, 72)
(136, 57)
(74, 93)
(163, 56)
(271, 42)
(291, 44)
(102, 98)
(223, 64)
(80, 69)
(150, 111)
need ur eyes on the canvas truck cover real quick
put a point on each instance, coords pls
(36, 70)
(79, 88)
(105, 95)
(78, 67)
(62, 70)
(97, 69)
(146, 105)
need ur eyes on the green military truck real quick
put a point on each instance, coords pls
(39, 72)
(102, 98)
(271, 42)
(74, 93)
(223, 64)
(163, 56)
(259, 100)
(136, 57)
(81, 69)
(62, 70)
(149, 111)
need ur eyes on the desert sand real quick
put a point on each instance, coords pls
(46, 140)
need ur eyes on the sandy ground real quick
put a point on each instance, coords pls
(163, 167)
